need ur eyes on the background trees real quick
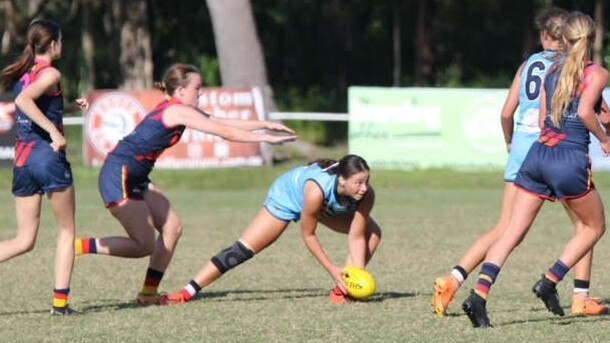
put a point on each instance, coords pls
(309, 52)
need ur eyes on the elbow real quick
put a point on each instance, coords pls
(605, 120)
(19, 101)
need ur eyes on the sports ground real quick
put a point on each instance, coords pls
(428, 219)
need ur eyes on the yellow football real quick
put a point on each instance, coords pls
(360, 283)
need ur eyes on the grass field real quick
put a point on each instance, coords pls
(428, 219)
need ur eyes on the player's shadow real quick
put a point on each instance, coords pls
(567, 320)
(383, 296)
(257, 295)
(105, 305)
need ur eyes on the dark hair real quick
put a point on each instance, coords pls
(39, 37)
(175, 76)
(345, 167)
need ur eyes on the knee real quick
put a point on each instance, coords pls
(25, 244)
(232, 256)
(601, 231)
(144, 248)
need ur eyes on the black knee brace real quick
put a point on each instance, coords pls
(232, 256)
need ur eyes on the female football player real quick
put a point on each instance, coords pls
(336, 194)
(40, 164)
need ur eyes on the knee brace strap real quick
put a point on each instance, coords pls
(232, 256)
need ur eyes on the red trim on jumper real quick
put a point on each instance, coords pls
(551, 138)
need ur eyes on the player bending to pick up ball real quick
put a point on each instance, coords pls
(336, 194)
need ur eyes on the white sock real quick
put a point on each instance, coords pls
(458, 276)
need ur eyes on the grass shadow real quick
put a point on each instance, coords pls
(567, 320)
(104, 305)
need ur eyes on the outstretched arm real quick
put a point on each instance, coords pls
(197, 120)
(251, 125)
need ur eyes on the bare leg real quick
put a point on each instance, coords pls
(262, 231)
(582, 268)
(524, 211)
(63, 206)
(477, 251)
(590, 212)
(168, 224)
(28, 219)
(137, 221)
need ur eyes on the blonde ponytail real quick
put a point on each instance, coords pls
(580, 34)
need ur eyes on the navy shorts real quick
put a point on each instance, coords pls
(53, 173)
(556, 172)
(119, 181)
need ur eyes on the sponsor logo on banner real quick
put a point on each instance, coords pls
(7, 132)
(113, 115)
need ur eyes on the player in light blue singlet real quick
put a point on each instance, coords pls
(137, 203)
(285, 199)
(557, 166)
(336, 194)
(526, 121)
(40, 164)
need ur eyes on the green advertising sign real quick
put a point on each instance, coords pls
(408, 128)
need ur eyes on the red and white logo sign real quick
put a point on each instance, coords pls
(7, 116)
(111, 117)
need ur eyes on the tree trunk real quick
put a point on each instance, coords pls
(239, 49)
(88, 44)
(240, 53)
(396, 71)
(9, 26)
(423, 46)
(135, 43)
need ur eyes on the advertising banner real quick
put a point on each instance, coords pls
(411, 128)
(7, 130)
(114, 114)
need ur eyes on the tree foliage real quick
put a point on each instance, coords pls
(313, 49)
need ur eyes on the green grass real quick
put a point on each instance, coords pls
(428, 218)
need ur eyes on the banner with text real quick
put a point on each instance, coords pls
(7, 129)
(114, 114)
(409, 128)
